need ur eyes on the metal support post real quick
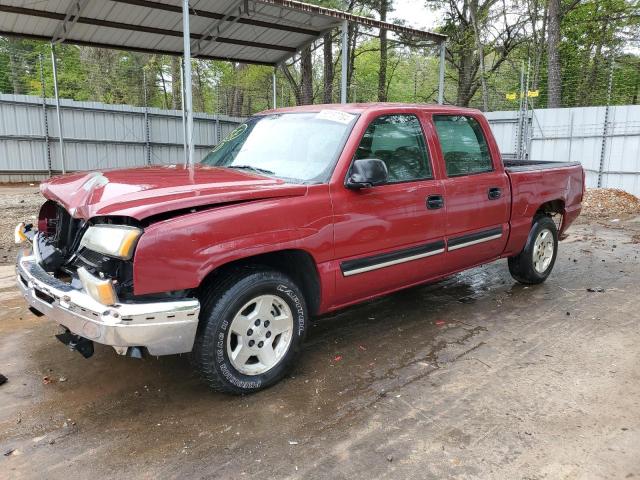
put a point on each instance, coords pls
(520, 116)
(605, 130)
(275, 95)
(187, 106)
(570, 136)
(443, 49)
(184, 116)
(147, 133)
(58, 112)
(344, 49)
(218, 131)
(525, 121)
(45, 119)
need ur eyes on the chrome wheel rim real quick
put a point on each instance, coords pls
(260, 335)
(543, 249)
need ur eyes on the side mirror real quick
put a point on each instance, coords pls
(366, 173)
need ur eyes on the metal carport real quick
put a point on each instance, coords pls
(264, 32)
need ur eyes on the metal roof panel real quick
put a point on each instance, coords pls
(269, 32)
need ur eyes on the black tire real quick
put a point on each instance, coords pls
(522, 266)
(221, 300)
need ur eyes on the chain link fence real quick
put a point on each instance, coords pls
(136, 79)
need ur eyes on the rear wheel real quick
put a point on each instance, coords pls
(534, 264)
(252, 326)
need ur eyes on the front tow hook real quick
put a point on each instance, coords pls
(77, 343)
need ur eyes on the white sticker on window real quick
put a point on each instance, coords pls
(335, 116)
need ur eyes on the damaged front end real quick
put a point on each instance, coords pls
(80, 273)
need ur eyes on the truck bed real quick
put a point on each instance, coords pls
(536, 183)
(531, 165)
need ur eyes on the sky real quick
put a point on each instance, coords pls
(415, 14)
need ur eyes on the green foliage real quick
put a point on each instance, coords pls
(596, 35)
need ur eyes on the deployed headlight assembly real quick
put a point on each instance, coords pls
(114, 240)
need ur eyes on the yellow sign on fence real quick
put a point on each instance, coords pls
(530, 94)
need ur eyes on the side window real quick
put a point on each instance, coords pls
(463, 145)
(398, 141)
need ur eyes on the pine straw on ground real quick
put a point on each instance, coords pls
(609, 203)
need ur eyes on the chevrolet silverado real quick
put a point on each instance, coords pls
(298, 212)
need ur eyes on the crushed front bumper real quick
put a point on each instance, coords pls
(163, 328)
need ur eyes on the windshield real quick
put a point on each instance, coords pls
(299, 147)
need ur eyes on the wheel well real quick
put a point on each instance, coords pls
(297, 264)
(553, 209)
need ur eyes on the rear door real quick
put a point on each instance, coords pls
(477, 195)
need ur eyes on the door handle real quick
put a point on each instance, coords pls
(494, 193)
(435, 202)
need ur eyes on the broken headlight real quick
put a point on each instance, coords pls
(113, 240)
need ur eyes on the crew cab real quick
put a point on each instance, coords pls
(298, 212)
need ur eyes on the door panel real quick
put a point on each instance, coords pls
(477, 228)
(385, 238)
(477, 192)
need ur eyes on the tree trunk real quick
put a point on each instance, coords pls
(352, 42)
(483, 81)
(16, 67)
(176, 84)
(199, 90)
(292, 82)
(165, 99)
(306, 80)
(539, 46)
(554, 79)
(382, 72)
(466, 72)
(328, 69)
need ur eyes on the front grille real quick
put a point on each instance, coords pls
(90, 258)
(62, 254)
(59, 236)
(67, 230)
(121, 271)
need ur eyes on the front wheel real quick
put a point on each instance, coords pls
(534, 264)
(253, 323)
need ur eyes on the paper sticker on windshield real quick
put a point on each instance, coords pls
(335, 116)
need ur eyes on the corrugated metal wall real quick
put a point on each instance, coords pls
(579, 135)
(99, 136)
(96, 136)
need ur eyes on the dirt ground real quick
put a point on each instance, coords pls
(473, 377)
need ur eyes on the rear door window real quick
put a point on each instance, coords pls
(463, 144)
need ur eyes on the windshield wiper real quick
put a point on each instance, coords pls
(255, 169)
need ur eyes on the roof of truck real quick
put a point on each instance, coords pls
(365, 107)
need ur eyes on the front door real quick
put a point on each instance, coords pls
(390, 235)
(477, 194)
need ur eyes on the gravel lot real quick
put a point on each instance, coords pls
(473, 377)
(19, 203)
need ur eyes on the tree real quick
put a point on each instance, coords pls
(554, 82)
(383, 7)
(497, 35)
(328, 68)
(176, 83)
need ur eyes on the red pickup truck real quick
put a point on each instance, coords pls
(298, 212)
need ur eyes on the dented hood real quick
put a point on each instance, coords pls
(142, 192)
